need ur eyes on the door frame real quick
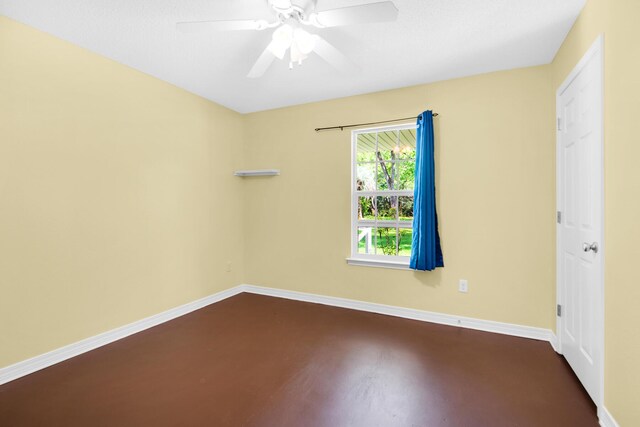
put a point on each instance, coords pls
(597, 48)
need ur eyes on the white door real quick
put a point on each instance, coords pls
(580, 220)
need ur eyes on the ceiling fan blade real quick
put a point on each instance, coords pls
(333, 56)
(262, 64)
(239, 25)
(366, 13)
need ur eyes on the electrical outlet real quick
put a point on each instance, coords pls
(228, 266)
(463, 286)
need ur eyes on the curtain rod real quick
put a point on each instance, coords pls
(343, 127)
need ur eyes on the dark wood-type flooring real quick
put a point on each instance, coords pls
(259, 361)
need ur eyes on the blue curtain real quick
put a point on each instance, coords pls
(426, 253)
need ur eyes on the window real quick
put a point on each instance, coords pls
(383, 176)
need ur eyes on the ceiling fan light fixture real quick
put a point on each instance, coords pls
(304, 41)
(283, 34)
(297, 56)
(298, 41)
(281, 40)
(277, 50)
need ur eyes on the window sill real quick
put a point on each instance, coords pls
(396, 265)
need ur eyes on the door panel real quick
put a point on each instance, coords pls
(580, 201)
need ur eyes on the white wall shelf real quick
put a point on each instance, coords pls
(258, 172)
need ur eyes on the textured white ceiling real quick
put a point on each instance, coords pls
(431, 40)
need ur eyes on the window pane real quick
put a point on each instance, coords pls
(366, 238)
(385, 162)
(405, 175)
(386, 241)
(387, 208)
(405, 208)
(407, 144)
(386, 176)
(367, 208)
(388, 145)
(366, 177)
(366, 147)
(405, 236)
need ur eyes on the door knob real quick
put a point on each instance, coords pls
(590, 247)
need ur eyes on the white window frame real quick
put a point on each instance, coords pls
(374, 260)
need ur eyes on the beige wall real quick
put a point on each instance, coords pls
(495, 177)
(117, 199)
(618, 21)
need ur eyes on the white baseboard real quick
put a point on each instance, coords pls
(407, 313)
(606, 419)
(42, 361)
(554, 342)
(45, 360)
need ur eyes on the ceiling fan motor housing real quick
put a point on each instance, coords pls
(289, 7)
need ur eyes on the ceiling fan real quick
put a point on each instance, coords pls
(291, 18)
